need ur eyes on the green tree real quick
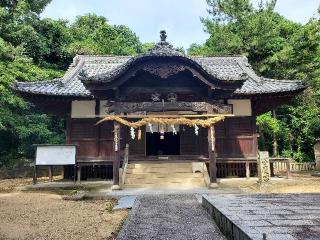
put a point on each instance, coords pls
(277, 48)
(93, 35)
(33, 49)
(20, 123)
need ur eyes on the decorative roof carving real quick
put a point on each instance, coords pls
(164, 70)
(163, 36)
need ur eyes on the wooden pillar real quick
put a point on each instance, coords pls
(68, 130)
(274, 139)
(79, 174)
(62, 172)
(247, 169)
(272, 168)
(50, 173)
(212, 157)
(288, 169)
(116, 156)
(35, 174)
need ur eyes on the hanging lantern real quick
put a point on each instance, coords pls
(196, 130)
(139, 134)
(150, 127)
(132, 133)
(161, 132)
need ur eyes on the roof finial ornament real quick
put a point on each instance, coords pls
(163, 35)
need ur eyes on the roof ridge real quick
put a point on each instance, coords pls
(103, 56)
(218, 56)
(283, 80)
(40, 82)
(247, 68)
(73, 69)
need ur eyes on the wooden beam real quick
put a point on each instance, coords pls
(132, 107)
(116, 156)
(167, 116)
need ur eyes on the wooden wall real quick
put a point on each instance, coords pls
(95, 141)
(235, 138)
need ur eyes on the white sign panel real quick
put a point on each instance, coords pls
(56, 155)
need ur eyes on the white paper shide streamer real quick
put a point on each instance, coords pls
(174, 130)
(150, 127)
(116, 140)
(196, 130)
(132, 133)
(213, 139)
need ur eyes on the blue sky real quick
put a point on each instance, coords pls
(181, 18)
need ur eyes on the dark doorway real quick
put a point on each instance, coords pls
(170, 145)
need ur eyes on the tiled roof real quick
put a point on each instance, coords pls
(268, 86)
(107, 68)
(221, 68)
(54, 87)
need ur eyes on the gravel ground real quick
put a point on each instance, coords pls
(46, 216)
(169, 217)
(9, 185)
(301, 182)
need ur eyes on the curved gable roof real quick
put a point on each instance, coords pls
(105, 69)
(222, 68)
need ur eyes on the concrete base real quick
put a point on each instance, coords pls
(213, 185)
(115, 187)
(248, 217)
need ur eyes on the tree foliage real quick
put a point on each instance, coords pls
(33, 49)
(277, 48)
(91, 34)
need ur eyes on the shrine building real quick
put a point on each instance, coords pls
(163, 112)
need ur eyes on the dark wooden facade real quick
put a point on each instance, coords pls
(162, 80)
(236, 140)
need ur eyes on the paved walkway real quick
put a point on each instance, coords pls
(279, 216)
(169, 217)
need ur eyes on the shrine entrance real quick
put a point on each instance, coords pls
(162, 140)
(158, 144)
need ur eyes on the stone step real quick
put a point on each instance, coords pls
(164, 175)
(163, 180)
(159, 170)
(159, 165)
(166, 185)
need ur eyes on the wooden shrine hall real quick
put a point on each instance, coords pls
(161, 108)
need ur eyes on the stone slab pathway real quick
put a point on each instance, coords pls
(279, 216)
(169, 217)
(125, 202)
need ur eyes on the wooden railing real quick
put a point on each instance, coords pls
(285, 164)
(125, 162)
(302, 166)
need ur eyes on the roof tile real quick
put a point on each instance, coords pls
(102, 67)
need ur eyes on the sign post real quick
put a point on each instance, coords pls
(54, 155)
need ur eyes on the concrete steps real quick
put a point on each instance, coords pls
(164, 175)
(166, 185)
(158, 165)
(160, 175)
